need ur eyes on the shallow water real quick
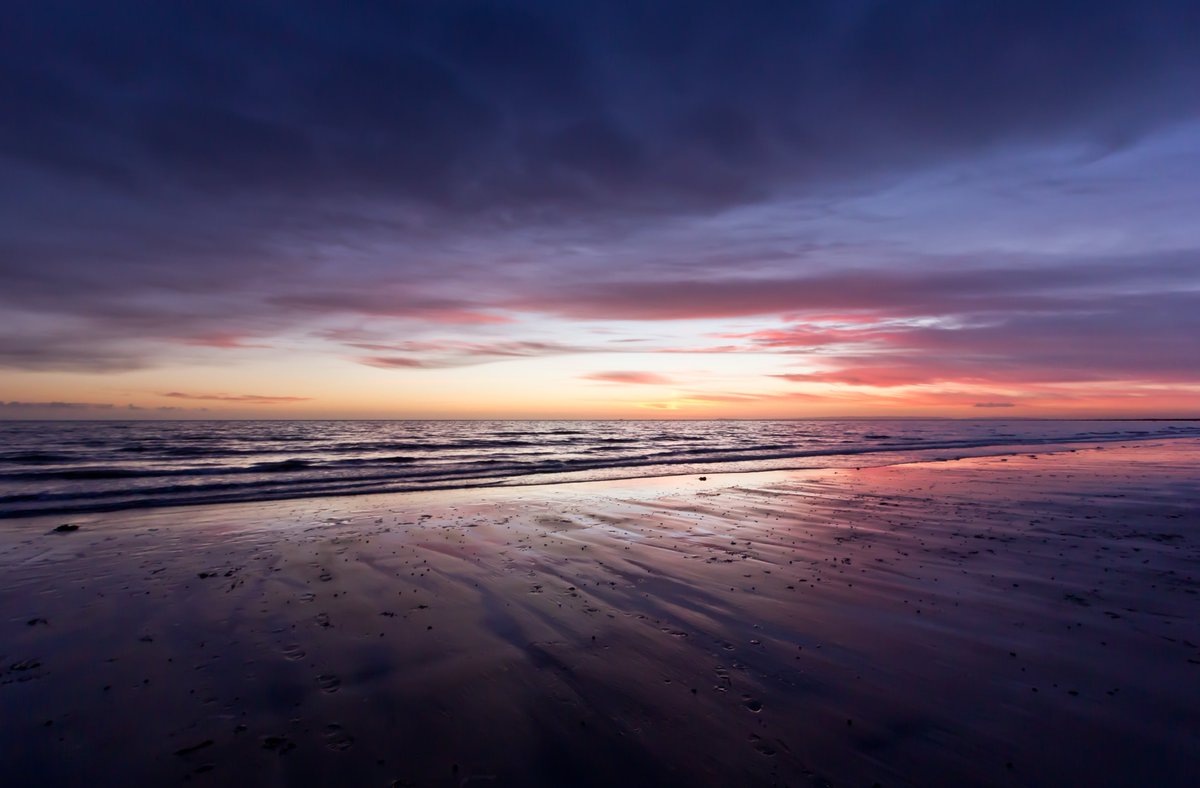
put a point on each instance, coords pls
(63, 467)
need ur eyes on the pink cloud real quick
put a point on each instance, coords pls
(466, 317)
(221, 340)
(708, 349)
(804, 335)
(641, 378)
(752, 397)
(870, 375)
(395, 362)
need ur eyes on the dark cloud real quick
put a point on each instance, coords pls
(485, 105)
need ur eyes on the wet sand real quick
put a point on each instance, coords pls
(1031, 620)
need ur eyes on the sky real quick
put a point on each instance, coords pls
(250, 209)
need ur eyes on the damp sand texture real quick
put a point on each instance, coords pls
(1030, 620)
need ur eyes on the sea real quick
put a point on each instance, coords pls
(65, 467)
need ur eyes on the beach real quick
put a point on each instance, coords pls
(1026, 619)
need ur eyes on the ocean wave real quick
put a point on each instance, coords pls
(35, 458)
(141, 465)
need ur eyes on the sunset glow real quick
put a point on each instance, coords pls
(523, 214)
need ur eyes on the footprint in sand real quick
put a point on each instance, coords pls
(723, 680)
(337, 739)
(293, 652)
(761, 746)
(329, 683)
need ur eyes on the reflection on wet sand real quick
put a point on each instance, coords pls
(1025, 620)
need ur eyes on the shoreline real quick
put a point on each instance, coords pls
(601, 420)
(931, 623)
(870, 458)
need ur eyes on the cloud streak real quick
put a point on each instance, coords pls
(636, 378)
(244, 399)
(55, 405)
(442, 354)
